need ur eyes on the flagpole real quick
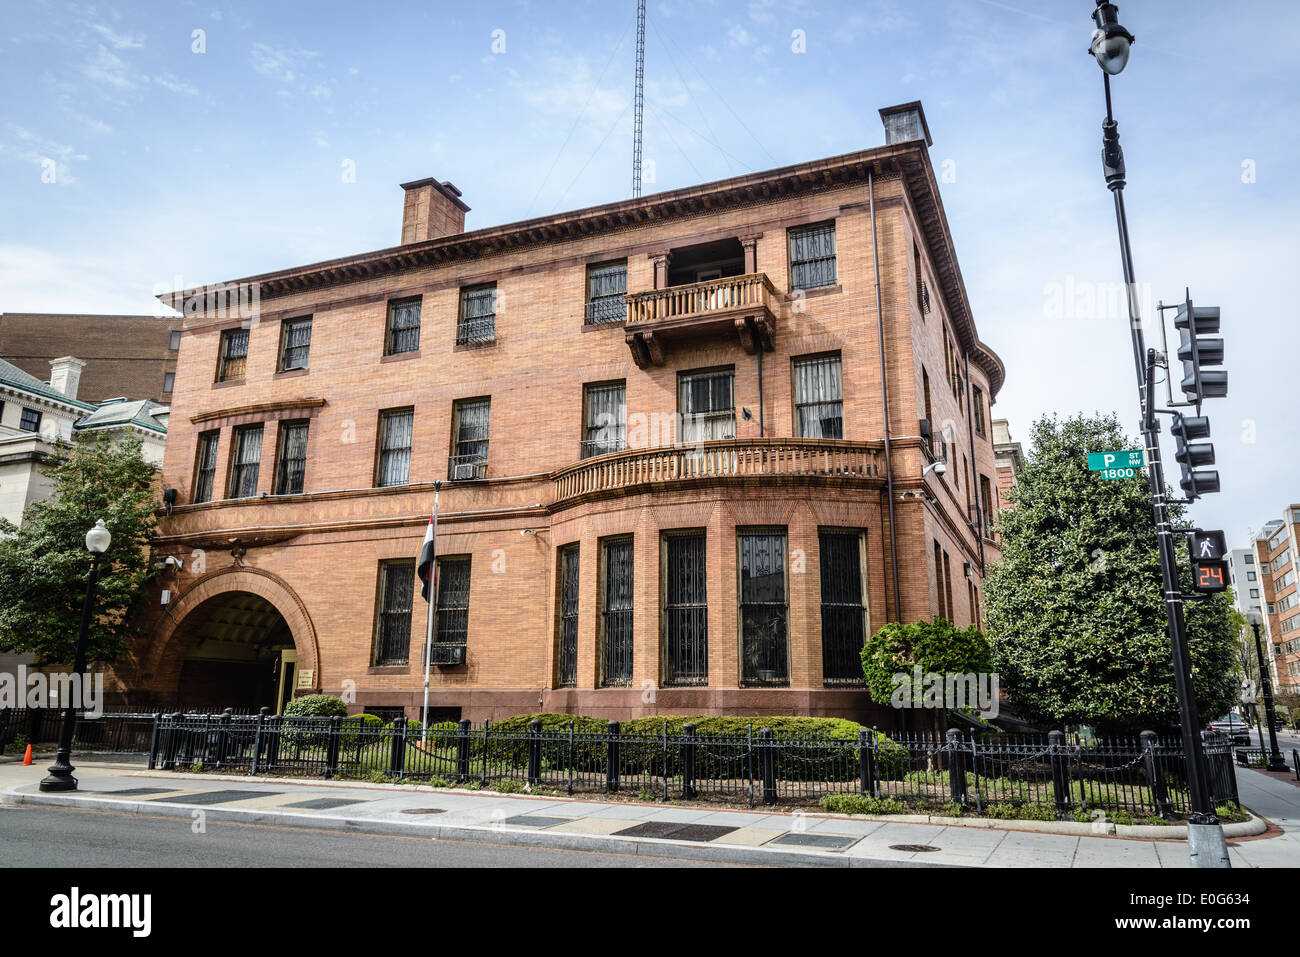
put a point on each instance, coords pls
(433, 601)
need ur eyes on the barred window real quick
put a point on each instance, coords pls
(685, 609)
(30, 420)
(764, 607)
(844, 612)
(395, 427)
(291, 454)
(453, 600)
(247, 462)
(295, 344)
(616, 611)
(819, 398)
(568, 652)
(403, 327)
(233, 358)
(607, 292)
(478, 308)
(604, 419)
(812, 256)
(706, 402)
(471, 426)
(205, 468)
(393, 612)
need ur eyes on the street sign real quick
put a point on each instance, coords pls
(1116, 465)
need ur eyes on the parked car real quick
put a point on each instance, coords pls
(1233, 726)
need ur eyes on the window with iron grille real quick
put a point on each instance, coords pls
(471, 423)
(607, 292)
(233, 357)
(812, 256)
(706, 403)
(205, 467)
(247, 461)
(685, 609)
(453, 600)
(291, 458)
(567, 659)
(395, 429)
(844, 611)
(764, 608)
(978, 395)
(30, 421)
(393, 612)
(403, 327)
(478, 314)
(604, 418)
(616, 612)
(818, 397)
(295, 344)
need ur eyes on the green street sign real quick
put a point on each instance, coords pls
(1116, 465)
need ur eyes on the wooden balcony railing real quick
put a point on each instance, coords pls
(721, 459)
(734, 305)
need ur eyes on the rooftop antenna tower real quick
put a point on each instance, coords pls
(639, 98)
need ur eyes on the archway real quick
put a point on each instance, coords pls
(241, 655)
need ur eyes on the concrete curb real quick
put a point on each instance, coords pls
(636, 846)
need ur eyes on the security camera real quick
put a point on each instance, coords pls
(172, 562)
(938, 468)
(527, 531)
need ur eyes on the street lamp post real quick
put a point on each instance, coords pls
(1275, 760)
(60, 777)
(1111, 44)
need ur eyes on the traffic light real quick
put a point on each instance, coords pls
(1209, 569)
(1191, 454)
(1198, 350)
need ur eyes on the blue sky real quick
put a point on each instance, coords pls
(173, 166)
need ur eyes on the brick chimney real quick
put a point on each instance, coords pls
(65, 375)
(905, 122)
(431, 210)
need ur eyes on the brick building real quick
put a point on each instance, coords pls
(1275, 548)
(124, 355)
(660, 427)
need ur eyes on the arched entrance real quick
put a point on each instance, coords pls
(241, 656)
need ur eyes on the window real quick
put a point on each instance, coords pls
(291, 455)
(30, 420)
(169, 381)
(819, 398)
(1250, 559)
(295, 344)
(1254, 593)
(247, 462)
(685, 609)
(205, 467)
(567, 659)
(986, 501)
(604, 419)
(763, 607)
(844, 612)
(978, 401)
(929, 416)
(616, 611)
(403, 327)
(922, 294)
(393, 614)
(1250, 576)
(453, 600)
(174, 342)
(812, 256)
(233, 357)
(470, 427)
(707, 405)
(938, 579)
(607, 292)
(478, 309)
(395, 428)
(947, 587)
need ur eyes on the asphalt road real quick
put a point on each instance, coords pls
(67, 837)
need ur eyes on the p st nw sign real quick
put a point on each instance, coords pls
(1116, 465)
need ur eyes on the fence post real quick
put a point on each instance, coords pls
(1155, 775)
(688, 761)
(534, 751)
(169, 744)
(223, 734)
(956, 767)
(462, 751)
(1060, 769)
(767, 754)
(570, 755)
(611, 760)
(117, 741)
(257, 738)
(397, 747)
(153, 740)
(867, 762)
(332, 747)
(273, 743)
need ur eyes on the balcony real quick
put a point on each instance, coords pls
(733, 305)
(791, 461)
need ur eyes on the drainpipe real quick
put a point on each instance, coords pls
(974, 469)
(759, 350)
(884, 390)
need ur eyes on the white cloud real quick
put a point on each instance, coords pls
(119, 41)
(175, 85)
(108, 69)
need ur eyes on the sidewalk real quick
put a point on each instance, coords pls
(754, 837)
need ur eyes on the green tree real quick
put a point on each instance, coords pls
(937, 646)
(44, 563)
(1076, 614)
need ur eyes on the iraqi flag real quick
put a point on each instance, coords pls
(424, 567)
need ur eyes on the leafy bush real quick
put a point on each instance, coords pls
(312, 733)
(1036, 812)
(1231, 813)
(1119, 817)
(360, 729)
(861, 804)
(936, 646)
(316, 706)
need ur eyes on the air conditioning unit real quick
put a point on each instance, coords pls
(445, 654)
(466, 472)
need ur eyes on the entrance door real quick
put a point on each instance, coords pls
(288, 668)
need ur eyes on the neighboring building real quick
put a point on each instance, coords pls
(125, 355)
(1247, 598)
(1009, 456)
(659, 425)
(1275, 550)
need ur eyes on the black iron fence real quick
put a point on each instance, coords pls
(1144, 776)
(116, 731)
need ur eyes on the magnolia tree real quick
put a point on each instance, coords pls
(1075, 607)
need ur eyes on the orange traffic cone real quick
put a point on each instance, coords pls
(27, 758)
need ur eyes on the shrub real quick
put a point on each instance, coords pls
(1001, 811)
(1231, 813)
(1119, 817)
(316, 709)
(316, 706)
(507, 786)
(861, 804)
(360, 729)
(1036, 812)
